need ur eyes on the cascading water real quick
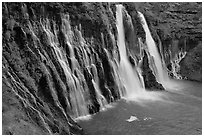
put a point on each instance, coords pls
(158, 67)
(128, 78)
(101, 99)
(78, 95)
(175, 64)
(53, 75)
(80, 68)
(128, 75)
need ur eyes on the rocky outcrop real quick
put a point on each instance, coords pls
(174, 20)
(191, 65)
(35, 85)
(133, 31)
(60, 62)
(178, 25)
(149, 78)
(135, 41)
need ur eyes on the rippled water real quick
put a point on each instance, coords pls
(177, 111)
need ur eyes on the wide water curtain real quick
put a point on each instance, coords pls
(129, 76)
(68, 63)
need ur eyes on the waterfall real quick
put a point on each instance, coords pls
(78, 103)
(128, 75)
(79, 96)
(58, 69)
(82, 77)
(101, 99)
(158, 64)
(175, 64)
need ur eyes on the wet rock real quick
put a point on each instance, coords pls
(191, 65)
(35, 85)
(132, 60)
(181, 22)
(94, 106)
(20, 36)
(102, 82)
(148, 76)
(108, 72)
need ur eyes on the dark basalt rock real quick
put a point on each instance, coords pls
(191, 65)
(102, 82)
(35, 90)
(20, 36)
(133, 30)
(38, 78)
(180, 21)
(132, 60)
(108, 72)
(94, 107)
(149, 78)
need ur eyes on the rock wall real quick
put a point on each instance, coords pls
(60, 61)
(178, 25)
(136, 45)
(36, 85)
(191, 65)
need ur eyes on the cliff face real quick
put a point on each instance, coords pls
(60, 61)
(178, 28)
(191, 65)
(43, 75)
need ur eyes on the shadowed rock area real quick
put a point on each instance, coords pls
(149, 79)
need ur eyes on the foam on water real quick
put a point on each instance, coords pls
(83, 118)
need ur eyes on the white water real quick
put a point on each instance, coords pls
(175, 64)
(130, 77)
(128, 74)
(79, 98)
(158, 68)
(78, 103)
(100, 98)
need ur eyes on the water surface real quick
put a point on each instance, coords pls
(175, 111)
